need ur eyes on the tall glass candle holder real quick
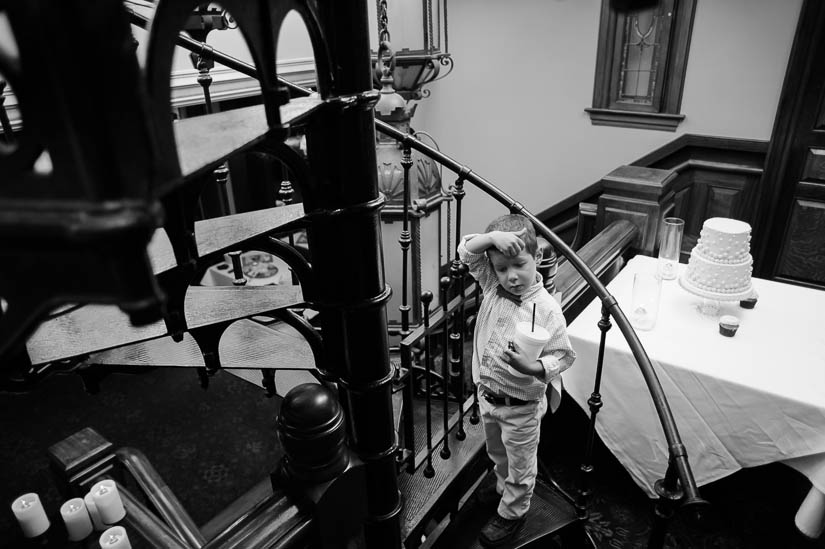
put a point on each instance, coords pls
(670, 245)
(644, 306)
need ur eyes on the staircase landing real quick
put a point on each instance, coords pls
(549, 512)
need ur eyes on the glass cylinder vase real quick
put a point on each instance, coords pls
(670, 246)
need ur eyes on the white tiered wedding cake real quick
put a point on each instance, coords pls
(720, 264)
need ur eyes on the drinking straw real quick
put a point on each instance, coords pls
(533, 324)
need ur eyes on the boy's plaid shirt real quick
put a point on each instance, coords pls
(496, 327)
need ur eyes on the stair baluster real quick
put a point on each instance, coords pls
(286, 194)
(8, 133)
(404, 240)
(426, 299)
(457, 359)
(458, 270)
(474, 417)
(595, 403)
(204, 63)
(445, 372)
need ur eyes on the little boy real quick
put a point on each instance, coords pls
(512, 406)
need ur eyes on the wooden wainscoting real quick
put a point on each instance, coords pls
(694, 177)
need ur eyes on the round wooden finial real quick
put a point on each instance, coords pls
(312, 432)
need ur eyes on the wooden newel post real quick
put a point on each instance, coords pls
(642, 196)
(318, 467)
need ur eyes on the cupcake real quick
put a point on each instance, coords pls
(749, 303)
(728, 324)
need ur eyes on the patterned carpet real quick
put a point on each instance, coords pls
(211, 446)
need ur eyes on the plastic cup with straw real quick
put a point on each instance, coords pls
(530, 339)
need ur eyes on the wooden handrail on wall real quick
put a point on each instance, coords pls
(605, 254)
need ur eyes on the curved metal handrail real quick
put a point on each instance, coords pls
(676, 449)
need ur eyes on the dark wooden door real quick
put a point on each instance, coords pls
(789, 236)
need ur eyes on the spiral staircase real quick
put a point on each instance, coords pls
(118, 210)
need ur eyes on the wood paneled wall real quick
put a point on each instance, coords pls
(693, 177)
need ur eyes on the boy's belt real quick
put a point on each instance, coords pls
(504, 400)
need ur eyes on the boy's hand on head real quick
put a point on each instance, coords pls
(514, 357)
(508, 243)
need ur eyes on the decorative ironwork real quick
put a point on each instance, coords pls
(286, 196)
(445, 372)
(200, 24)
(458, 270)
(424, 181)
(413, 68)
(411, 183)
(404, 241)
(595, 404)
(474, 417)
(426, 299)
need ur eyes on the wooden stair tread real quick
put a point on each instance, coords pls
(244, 345)
(423, 495)
(248, 345)
(204, 141)
(222, 233)
(207, 305)
(94, 328)
(285, 380)
(162, 352)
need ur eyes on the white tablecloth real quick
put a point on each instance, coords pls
(755, 398)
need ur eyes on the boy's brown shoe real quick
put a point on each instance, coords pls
(499, 530)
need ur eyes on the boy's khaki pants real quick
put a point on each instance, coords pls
(512, 434)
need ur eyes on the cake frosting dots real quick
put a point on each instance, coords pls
(721, 263)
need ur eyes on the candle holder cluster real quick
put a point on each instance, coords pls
(98, 510)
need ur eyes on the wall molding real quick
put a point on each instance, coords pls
(229, 84)
(226, 84)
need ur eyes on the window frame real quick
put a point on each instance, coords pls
(664, 113)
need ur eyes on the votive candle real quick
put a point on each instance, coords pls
(30, 514)
(115, 538)
(77, 519)
(95, 516)
(108, 502)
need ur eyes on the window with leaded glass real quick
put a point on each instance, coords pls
(641, 62)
